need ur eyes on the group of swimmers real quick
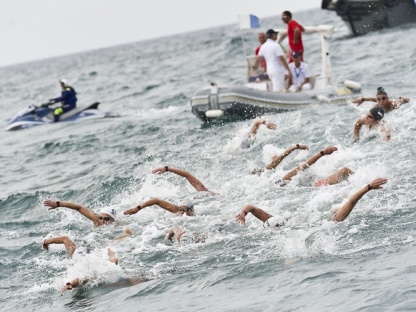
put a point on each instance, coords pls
(372, 120)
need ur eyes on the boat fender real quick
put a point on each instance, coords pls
(352, 85)
(323, 99)
(342, 7)
(214, 113)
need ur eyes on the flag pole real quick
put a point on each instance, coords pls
(247, 21)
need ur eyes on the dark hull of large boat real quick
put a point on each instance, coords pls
(237, 102)
(363, 16)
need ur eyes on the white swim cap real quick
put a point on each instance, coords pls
(80, 252)
(64, 81)
(275, 221)
(188, 204)
(112, 212)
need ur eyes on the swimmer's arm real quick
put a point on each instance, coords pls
(154, 201)
(176, 231)
(326, 151)
(126, 233)
(191, 179)
(277, 159)
(357, 126)
(81, 209)
(69, 244)
(255, 211)
(359, 101)
(385, 132)
(170, 235)
(256, 124)
(112, 257)
(73, 284)
(346, 209)
(400, 101)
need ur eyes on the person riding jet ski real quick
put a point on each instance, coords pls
(68, 100)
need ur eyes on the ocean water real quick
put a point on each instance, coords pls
(366, 263)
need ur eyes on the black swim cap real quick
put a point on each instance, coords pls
(380, 90)
(377, 112)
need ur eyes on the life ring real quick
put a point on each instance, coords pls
(342, 7)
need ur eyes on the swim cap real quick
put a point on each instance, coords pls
(275, 221)
(186, 239)
(202, 194)
(380, 90)
(188, 204)
(64, 81)
(377, 112)
(110, 211)
(80, 251)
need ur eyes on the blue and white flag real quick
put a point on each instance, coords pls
(248, 21)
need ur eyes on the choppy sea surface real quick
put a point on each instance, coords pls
(367, 263)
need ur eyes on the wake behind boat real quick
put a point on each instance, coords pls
(255, 98)
(40, 115)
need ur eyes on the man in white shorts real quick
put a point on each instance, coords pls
(300, 74)
(275, 61)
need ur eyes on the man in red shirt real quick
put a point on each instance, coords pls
(262, 39)
(294, 33)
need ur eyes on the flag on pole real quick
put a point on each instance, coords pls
(248, 21)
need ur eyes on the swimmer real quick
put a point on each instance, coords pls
(71, 248)
(186, 208)
(191, 179)
(337, 177)
(383, 101)
(340, 175)
(183, 237)
(257, 123)
(341, 214)
(372, 120)
(104, 217)
(253, 131)
(278, 159)
(268, 219)
(126, 233)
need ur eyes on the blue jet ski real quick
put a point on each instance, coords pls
(40, 115)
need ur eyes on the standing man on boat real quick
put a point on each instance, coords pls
(294, 34)
(262, 39)
(275, 61)
(68, 100)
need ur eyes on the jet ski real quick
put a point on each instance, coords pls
(40, 115)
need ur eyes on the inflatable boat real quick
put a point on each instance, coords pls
(255, 98)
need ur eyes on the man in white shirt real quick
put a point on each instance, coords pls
(275, 61)
(300, 74)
